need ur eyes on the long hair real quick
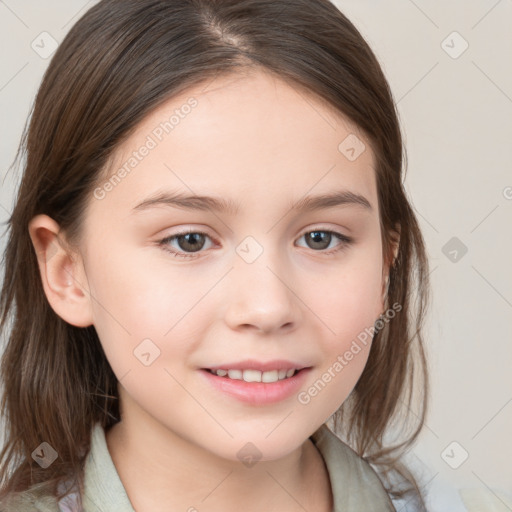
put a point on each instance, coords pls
(117, 64)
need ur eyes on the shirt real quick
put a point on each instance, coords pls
(355, 485)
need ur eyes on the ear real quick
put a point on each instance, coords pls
(62, 272)
(390, 260)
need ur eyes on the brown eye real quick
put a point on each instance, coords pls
(191, 242)
(184, 245)
(318, 239)
(321, 239)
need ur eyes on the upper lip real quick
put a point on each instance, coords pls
(252, 364)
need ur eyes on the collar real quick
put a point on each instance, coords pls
(355, 485)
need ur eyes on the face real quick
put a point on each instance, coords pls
(265, 275)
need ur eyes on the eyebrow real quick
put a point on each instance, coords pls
(218, 204)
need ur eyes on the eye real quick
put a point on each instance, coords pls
(187, 242)
(320, 240)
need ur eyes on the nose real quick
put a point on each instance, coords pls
(261, 298)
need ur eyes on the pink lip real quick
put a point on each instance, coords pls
(252, 364)
(258, 393)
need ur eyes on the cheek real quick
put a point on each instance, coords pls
(139, 291)
(335, 380)
(344, 358)
(349, 298)
(348, 303)
(138, 309)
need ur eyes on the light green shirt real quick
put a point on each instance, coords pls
(355, 485)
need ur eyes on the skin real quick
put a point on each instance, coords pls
(258, 141)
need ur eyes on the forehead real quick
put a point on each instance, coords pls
(243, 137)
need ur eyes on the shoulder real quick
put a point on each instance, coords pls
(355, 484)
(35, 499)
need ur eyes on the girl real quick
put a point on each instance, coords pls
(210, 269)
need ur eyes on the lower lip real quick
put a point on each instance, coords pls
(258, 393)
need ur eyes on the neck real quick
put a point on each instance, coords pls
(162, 471)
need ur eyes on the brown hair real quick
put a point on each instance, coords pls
(118, 63)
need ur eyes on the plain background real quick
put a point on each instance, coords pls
(455, 106)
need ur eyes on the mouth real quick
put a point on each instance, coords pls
(257, 387)
(249, 375)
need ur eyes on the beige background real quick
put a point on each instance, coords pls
(456, 112)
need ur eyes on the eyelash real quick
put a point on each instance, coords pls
(346, 241)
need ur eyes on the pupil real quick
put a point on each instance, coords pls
(193, 245)
(320, 237)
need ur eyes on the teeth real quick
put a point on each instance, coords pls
(252, 376)
(255, 375)
(235, 374)
(271, 376)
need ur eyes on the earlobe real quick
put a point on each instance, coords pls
(62, 274)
